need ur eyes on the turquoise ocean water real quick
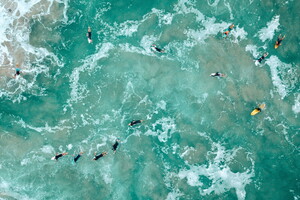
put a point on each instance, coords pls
(198, 139)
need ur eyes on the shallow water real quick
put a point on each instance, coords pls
(197, 140)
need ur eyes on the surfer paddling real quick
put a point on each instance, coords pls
(77, 157)
(227, 31)
(217, 74)
(279, 40)
(99, 156)
(89, 35)
(18, 71)
(115, 146)
(263, 57)
(133, 122)
(57, 156)
(155, 48)
(258, 109)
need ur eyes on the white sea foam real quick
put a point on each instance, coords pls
(163, 129)
(213, 2)
(253, 49)
(219, 173)
(79, 90)
(239, 34)
(296, 106)
(267, 33)
(164, 18)
(174, 195)
(48, 149)
(284, 76)
(187, 6)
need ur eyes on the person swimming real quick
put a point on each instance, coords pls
(279, 40)
(18, 71)
(263, 57)
(57, 156)
(155, 48)
(133, 122)
(77, 157)
(217, 74)
(115, 146)
(89, 35)
(229, 29)
(99, 156)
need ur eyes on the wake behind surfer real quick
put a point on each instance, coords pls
(89, 35)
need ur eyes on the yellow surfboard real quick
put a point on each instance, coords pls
(276, 46)
(258, 110)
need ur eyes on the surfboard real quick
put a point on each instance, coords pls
(256, 111)
(276, 45)
(223, 34)
(53, 158)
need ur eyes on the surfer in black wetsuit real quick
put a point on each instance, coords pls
(133, 122)
(89, 35)
(279, 40)
(57, 156)
(77, 157)
(217, 74)
(115, 146)
(99, 156)
(263, 57)
(154, 48)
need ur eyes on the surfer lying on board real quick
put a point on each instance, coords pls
(263, 57)
(154, 48)
(99, 156)
(279, 40)
(217, 74)
(77, 157)
(229, 29)
(133, 122)
(18, 71)
(115, 146)
(57, 156)
(89, 35)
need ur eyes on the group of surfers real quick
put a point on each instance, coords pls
(96, 156)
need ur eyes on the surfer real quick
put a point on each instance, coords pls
(57, 156)
(99, 156)
(77, 157)
(18, 71)
(263, 57)
(133, 122)
(217, 74)
(279, 40)
(227, 31)
(115, 146)
(89, 35)
(155, 48)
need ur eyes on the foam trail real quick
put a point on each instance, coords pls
(284, 76)
(268, 32)
(296, 106)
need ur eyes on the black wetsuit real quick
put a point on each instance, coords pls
(98, 156)
(77, 157)
(90, 35)
(158, 49)
(115, 146)
(135, 122)
(58, 156)
(261, 58)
